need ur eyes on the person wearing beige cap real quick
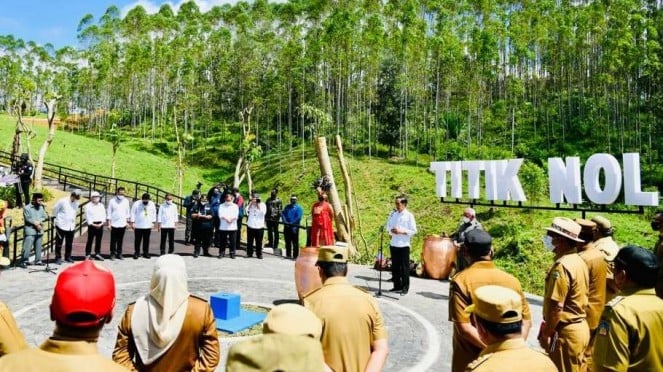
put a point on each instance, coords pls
(657, 226)
(290, 342)
(604, 242)
(354, 337)
(498, 314)
(82, 304)
(597, 268)
(564, 334)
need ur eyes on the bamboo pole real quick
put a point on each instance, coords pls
(350, 216)
(326, 171)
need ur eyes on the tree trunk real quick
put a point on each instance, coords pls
(39, 169)
(350, 219)
(326, 171)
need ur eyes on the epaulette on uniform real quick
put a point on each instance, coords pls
(311, 292)
(614, 301)
(478, 361)
(361, 288)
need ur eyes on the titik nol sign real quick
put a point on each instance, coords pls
(564, 180)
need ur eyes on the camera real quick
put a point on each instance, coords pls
(199, 185)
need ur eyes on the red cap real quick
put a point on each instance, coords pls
(84, 295)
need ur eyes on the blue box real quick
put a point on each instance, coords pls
(225, 305)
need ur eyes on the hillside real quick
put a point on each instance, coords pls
(376, 182)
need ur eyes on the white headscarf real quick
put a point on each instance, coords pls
(158, 317)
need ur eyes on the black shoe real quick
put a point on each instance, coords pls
(136, 255)
(232, 256)
(146, 256)
(195, 255)
(88, 257)
(404, 292)
(112, 258)
(58, 261)
(260, 257)
(119, 257)
(69, 259)
(162, 253)
(171, 251)
(22, 265)
(98, 257)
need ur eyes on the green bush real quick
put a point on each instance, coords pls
(9, 194)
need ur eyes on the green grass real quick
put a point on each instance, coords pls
(517, 233)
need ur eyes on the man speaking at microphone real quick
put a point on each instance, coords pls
(34, 216)
(400, 226)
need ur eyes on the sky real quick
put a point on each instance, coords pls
(56, 21)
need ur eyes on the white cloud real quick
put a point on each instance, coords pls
(152, 6)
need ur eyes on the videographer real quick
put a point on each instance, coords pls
(188, 204)
(255, 225)
(24, 170)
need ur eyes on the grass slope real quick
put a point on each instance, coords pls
(517, 233)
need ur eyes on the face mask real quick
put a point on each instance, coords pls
(465, 219)
(145, 202)
(655, 225)
(120, 197)
(169, 202)
(548, 243)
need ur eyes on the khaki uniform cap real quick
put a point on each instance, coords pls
(332, 253)
(602, 222)
(292, 319)
(276, 352)
(496, 304)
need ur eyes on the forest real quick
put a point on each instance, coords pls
(422, 80)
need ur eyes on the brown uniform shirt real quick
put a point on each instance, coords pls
(11, 338)
(658, 250)
(511, 355)
(597, 268)
(195, 349)
(567, 281)
(59, 355)
(351, 322)
(462, 285)
(629, 336)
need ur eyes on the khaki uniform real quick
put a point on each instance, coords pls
(597, 267)
(11, 338)
(195, 349)
(658, 250)
(59, 355)
(567, 282)
(462, 285)
(351, 322)
(629, 336)
(609, 247)
(276, 352)
(511, 355)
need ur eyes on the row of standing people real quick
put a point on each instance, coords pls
(600, 311)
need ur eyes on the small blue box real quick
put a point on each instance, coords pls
(225, 305)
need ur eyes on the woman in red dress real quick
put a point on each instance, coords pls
(322, 232)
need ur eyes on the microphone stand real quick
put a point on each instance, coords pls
(381, 255)
(48, 267)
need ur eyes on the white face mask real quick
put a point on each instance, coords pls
(465, 219)
(169, 202)
(548, 243)
(120, 197)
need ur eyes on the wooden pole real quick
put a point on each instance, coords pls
(350, 216)
(326, 170)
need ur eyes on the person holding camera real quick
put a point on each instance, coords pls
(274, 210)
(24, 169)
(201, 213)
(188, 204)
(255, 225)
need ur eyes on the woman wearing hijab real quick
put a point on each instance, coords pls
(168, 329)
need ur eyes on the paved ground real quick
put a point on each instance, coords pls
(419, 333)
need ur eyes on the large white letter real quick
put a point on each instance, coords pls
(440, 168)
(473, 168)
(613, 178)
(564, 180)
(632, 186)
(508, 185)
(456, 179)
(490, 176)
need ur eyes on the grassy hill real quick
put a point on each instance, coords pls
(376, 182)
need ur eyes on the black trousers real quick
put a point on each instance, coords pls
(216, 221)
(291, 236)
(142, 235)
(272, 233)
(400, 267)
(238, 237)
(202, 237)
(93, 233)
(228, 238)
(63, 236)
(23, 188)
(254, 239)
(187, 230)
(116, 239)
(167, 233)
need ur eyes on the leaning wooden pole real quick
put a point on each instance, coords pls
(326, 170)
(350, 216)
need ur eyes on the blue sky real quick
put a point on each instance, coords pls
(55, 21)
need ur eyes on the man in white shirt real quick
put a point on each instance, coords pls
(255, 225)
(95, 214)
(143, 217)
(65, 225)
(228, 213)
(117, 217)
(166, 222)
(401, 226)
